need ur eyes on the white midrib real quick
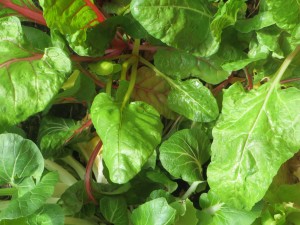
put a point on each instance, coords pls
(274, 84)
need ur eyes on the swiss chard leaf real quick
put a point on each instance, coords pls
(180, 65)
(259, 127)
(192, 100)
(125, 135)
(27, 77)
(174, 22)
(152, 212)
(183, 154)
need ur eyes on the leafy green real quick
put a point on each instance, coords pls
(122, 154)
(27, 77)
(183, 154)
(257, 131)
(193, 100)
(174, 23)
(155, 212)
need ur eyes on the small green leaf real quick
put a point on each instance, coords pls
(215, 212)
(129, 136)
(193, 100)
(180, 65)
(53, 134)
(31, 201)
(20, 158)
(180, 24)
(155, 212)
(183, 154)
(114, 210)
(47, 215)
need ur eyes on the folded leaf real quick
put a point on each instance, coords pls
(183, 154)
(27, 78)
(180, 24)
(193, 100)
(255, 134)
(180, 65)
(129, 135)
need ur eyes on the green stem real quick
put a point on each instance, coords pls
(109, 85)
(133, 74)
(191, 190)
(7, 191)
(125, 67)
(64, 175)
(77, 221)
(80, 170)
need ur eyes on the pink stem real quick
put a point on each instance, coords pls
(99, 14)
(31, 58)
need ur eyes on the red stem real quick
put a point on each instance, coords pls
(28, 13)
(79, 130)
(30, 58)
(87, 179)
(100, 16)
(290, 80)
(249, 79)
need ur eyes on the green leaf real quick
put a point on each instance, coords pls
(47, 215)
(189, 216)
(160, 177)
(116, 6)
(184, 152)
(180, 24)
(20, 158)
(155, 212)
(259, 21)
(125, 135)
(180, 65)
(215, 212)
(53, 134)
(26, 76)
(286, 13)
(79, 23)
(153, 90)
(31, 201)
(226, 16)
(192, 100)
(114, 210)
(38, 39)
(260, 126)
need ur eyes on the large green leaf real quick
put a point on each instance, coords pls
(155, 212)
(47, 215)
(20, 158)
(27, 78)
(215, 212)
(182, 24)
(114, 210)
(286, 13)
(80, 24)
(31, 201)
(53, 134)
(183, 154)
(256, 133)
(180, 65)
(129, 135)
(192, 100)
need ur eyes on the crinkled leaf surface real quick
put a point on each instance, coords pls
(155, 212)
(129, 136)
(152, 90)
(255, 134)
(114, 210)
(80, 25)
(182, 24)
(31, 201)
(286, 13)
(27, 77)
(53, 134)
(215, 212)
(180, 65)
(226, 16)
(183, 154)
(20, 158)
(192, 100)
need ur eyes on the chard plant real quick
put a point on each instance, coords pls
(149, 112)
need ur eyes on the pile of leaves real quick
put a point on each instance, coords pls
(149, 112)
